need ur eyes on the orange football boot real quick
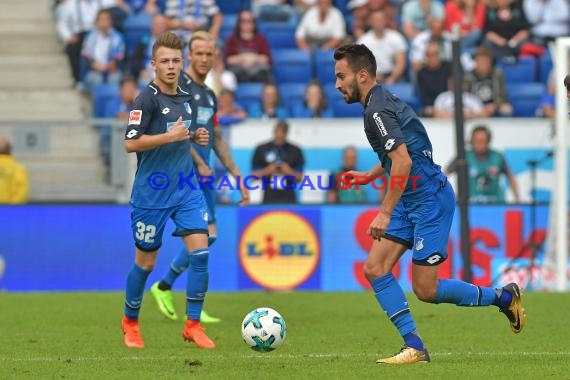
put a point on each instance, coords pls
(133, 337)
(194, 332)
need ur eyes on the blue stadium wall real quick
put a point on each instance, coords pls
(89, 247)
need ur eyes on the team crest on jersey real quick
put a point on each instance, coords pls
(135, 117)
(197, 97)
(210, 100)
(204, 115)
(187, 107)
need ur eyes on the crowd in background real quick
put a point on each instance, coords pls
(109, 43)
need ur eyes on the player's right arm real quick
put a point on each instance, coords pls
(179, 132)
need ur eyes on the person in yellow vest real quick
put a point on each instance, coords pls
(13, 177)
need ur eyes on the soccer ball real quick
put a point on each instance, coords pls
(263, 329)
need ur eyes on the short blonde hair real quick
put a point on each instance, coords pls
(201, 35)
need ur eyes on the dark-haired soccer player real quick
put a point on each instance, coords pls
(159, 132)
(201, 52)
(418, 217)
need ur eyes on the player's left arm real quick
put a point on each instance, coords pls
(223, 153)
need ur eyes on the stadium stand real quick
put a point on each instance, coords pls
(521, 71)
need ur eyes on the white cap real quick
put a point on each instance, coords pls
(355, 4)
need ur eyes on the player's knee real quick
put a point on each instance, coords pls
(424, 293)
(374, 270)
(199, 260)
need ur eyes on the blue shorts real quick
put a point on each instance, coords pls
(148, 224)
(424, 226)
(210, 198)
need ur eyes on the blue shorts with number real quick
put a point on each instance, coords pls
(424, 226)
(210, 198)
(148, 224)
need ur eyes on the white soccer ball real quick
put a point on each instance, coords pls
(263, 329)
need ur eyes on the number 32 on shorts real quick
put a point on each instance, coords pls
(146, 232)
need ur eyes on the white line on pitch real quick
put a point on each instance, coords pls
(64, 358)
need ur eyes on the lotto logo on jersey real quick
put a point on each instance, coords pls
(135, 117)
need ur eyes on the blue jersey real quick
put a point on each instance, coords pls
(389, 123)
(204, 107)
(165, 175)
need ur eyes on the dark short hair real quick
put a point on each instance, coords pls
(567, 82)
(482, 128)
(283, 125)
(358, 57)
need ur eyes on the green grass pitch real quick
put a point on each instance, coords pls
(329, 336)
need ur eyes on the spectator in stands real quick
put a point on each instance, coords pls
(506, 28)
(302, 6)
(187, 16)
(548, 19)
(388, 46)
(75, 20)
(361, 10)
(340, 192)
(417, 16)
(219, 78)
(14, 183)
(444, 104)
(270, 105)
(322, 27)
(247, 52)
(140, 60)
(314, 105)
(229, 112)
(104, 51)
(470, 15)
(485, 167)
(280, 165)
(435, 33)
(432, 78)
(272, 10)
(488, 83)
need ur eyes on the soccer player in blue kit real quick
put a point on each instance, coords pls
(202, 46)
(159, 132)
(416, 217)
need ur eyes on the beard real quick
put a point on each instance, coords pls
(355, 96)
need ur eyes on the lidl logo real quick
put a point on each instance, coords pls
(279, 250)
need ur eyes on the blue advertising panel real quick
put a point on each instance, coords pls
(72, 248)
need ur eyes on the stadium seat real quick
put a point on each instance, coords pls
(279, 35)
(292, 93)
(136, 26)
(231, 7)
(406, 92)
(522, 71)
(248, 93)
(102, 95)
(228, 25)
(342, 6)
(525, 98)
(544, 67)
(324, 66)
(291, 65)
